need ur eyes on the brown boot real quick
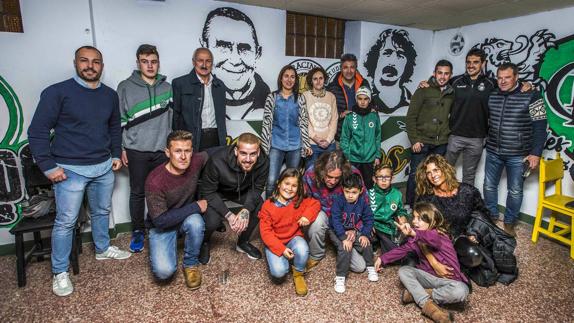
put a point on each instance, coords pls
(300, 284)
(407, 297)
(192, 277)
(435, 313)
(311, 263)
(509, 228)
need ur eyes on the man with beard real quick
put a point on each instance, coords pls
(231, 35)
(427, 121)
(236, 173)
(84, 115)
(390, 64)
(199, 103)
(344, 86)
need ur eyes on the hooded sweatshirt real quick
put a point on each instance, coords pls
(146, 112)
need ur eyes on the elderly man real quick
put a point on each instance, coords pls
(84, 115)
(199, 103)
(322, 181)
(516, 137)
(236, 173)
(231, 35)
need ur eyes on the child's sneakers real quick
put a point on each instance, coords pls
(340, 284)
(372, 274)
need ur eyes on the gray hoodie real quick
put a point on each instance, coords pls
(146, 113)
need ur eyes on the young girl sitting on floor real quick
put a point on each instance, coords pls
(422, 285)
(281, 218)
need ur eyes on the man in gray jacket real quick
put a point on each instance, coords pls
(146, 115)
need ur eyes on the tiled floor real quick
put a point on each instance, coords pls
(112, 291)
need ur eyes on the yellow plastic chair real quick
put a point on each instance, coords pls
(553, 171)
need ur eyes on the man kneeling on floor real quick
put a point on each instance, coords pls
(170, 192)
(237, 173)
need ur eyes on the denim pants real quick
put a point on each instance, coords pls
(69, 196)
(276, 158)
(514, 181)
(318, 151)
(416, 159)
(444, 290)
(140, 164)
(279, 265)
(163, 246)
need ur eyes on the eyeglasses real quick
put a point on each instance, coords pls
(383, 178)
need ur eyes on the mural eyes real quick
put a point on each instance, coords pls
(224, 45)
(242, 48)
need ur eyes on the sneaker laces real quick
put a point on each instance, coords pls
(62, 280)
(340, 280)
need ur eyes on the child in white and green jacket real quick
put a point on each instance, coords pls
(387, 205)
(361, 136)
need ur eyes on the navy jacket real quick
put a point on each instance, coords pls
(188, 92)
(346, 216)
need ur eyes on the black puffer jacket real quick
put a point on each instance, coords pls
(223, 177)
(499, 263)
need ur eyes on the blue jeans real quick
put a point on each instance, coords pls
(276, 158)
(416, 159)
(163, 246)
(318, 151)
(492, 172)
(279, 265)
(69, 196)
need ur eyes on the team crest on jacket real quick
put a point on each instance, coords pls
(481, 87)
(394, 206)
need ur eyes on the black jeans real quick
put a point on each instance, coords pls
(140, 164)
(214, 220)
(367, 172)
(209, 138)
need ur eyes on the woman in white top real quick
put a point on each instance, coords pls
(322, 107)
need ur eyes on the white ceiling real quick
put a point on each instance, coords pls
(422, 14)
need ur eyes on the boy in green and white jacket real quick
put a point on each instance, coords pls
(387, 205)
(361, 136)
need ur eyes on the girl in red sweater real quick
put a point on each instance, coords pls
(280, 221)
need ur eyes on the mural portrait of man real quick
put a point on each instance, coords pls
(390, 64)
(231, 36)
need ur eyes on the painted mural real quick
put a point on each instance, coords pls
(231, 36)
(390, 63)
(11, 146)
(549, 64)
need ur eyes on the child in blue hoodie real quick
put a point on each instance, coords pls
(351, 224)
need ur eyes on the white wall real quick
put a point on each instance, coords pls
(43, 55)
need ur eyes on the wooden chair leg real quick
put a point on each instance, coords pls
(20, 260)
(74, 255)
(537, 223)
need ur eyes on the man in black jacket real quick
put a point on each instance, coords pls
(469, 115)
(237, 173)
(199, 103)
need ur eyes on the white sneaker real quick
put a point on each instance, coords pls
(62, 285)
(340, 284)
(113, 252)
(372, 274)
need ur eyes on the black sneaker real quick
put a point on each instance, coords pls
(249, 249)
(204, 256)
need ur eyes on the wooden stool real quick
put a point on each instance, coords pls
(38, 250)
